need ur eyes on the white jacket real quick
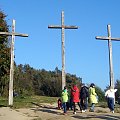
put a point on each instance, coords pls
(110, 93)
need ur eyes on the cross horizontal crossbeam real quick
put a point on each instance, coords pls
(14, 34)
(60, 27)
(107, 38)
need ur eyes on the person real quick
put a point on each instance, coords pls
(75, 97)
(59, 104)
(70, 98)
(110, 95)
(84, 94)
(69, 103)
(15, 94)
(92, 97)
(64, 99)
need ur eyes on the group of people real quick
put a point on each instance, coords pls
(73, 96)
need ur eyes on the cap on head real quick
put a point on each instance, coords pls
(92, 85)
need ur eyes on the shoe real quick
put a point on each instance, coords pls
(64, 113)
(74, 112)
(113, 111)
(91, 110)
(83, 111)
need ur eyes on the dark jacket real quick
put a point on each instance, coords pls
(84, 92)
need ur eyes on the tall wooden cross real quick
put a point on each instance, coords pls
(109, 38)
(13, 34)
(63, 27)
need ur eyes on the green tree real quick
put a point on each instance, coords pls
(117, 86)
(4, 55)
(23, 79)
(100, 93)
(40, 82)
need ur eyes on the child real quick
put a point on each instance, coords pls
(64, 99)
(59, 104)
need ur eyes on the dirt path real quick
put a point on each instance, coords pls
(49, 112)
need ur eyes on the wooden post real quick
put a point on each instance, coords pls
(63, 52)
(12, 66)
(63, 27)
(109, 38)
(13, 34)
(110, 58)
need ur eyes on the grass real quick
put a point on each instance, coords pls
(31, 101)
(102, 104)
(27, 101)
(3, 102)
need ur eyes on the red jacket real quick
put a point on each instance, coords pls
(75, 94)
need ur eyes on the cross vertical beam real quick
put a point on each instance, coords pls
(12, 66)
(109, 38)
(110, 57)
(12, 34)
(63, 51)
(63, 27)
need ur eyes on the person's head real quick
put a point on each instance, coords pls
(83, 84)
(69, 86)
(110, 87)
(92, 85)
(65, 87)
(75, 85)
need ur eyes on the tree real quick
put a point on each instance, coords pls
(100, 93)
(23, 79)
(4, 55)
(117, 86)
(39, 82)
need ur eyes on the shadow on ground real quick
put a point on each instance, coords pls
(101, 116)
(86, 116)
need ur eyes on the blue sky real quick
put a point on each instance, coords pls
(85, 56)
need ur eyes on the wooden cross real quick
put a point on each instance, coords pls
(109, 38)
(62, 27)
(13, 34)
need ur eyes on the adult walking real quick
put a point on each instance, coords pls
(110, 95)
(92, 97)
(75, 97)
(84, 94)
